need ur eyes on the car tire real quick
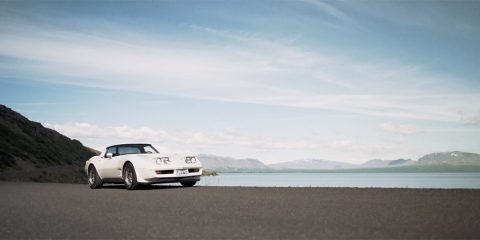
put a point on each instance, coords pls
(130, 177)
(94, 180)
(188, 184)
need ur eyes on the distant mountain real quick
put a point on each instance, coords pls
(434, 159)
(378, 163)
(214, 162)
(452, 158)
(29, 151)
(311, 164)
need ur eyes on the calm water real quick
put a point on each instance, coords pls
(389, 180)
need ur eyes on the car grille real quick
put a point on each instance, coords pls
(164, 171)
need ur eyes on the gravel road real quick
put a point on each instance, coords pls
(48, 210)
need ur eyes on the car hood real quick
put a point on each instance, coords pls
(175, 156)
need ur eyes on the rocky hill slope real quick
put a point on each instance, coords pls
(29, 151)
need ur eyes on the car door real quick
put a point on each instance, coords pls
(116, 164)
(125, 153)
(109, 165)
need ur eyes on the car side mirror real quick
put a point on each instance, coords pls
(109, 155)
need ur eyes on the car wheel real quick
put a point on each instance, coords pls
(94, 180)
(130, 177)
(188, 184)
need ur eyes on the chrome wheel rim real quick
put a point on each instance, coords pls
(128, 177)
(91, 177)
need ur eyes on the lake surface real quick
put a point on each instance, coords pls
(383, 180)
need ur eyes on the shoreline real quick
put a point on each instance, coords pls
(154, 186)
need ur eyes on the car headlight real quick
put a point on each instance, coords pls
(190, 160)
(163, 160)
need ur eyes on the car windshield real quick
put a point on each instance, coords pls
(136, 149)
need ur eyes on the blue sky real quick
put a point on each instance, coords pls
(273, 80)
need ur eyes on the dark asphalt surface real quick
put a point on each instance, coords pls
(47, 210)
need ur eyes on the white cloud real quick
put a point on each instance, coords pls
(226, 137)
(89, 131)
(405, 129)
(246, 69)
(238, 143)
(86, 131)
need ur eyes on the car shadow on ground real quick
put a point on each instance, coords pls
(142, 187)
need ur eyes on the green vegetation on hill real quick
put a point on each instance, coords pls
(30, 151)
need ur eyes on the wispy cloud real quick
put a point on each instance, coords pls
(90, 131)
(442, 17)
(108, 135)
(404, 129)
(245, 69)
(329, 9)
(333, 67)
(35, 104)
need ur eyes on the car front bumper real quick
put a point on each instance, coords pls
(147, 175)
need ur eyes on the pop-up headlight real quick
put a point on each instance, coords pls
(163, 160)
(191, 160)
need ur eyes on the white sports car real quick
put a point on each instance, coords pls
(135, 164)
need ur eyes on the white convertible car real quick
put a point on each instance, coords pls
(135, 164)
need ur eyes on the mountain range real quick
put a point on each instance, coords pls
(311, 164)
(378, 163)
(225, 163)
(455, 158)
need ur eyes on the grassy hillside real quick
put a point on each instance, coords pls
(29, 151)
